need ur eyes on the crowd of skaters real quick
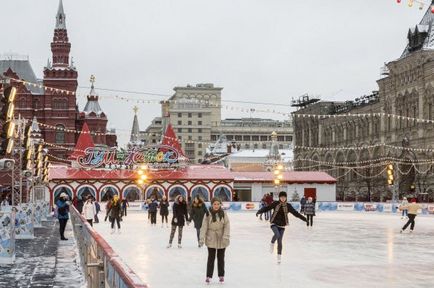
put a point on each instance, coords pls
(212, 225)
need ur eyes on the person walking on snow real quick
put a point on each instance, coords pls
(89, 210)
(115, 213)
(309, 211)
(153, 209)
(164, 211)
(412, 213)
(404, 204)
(302, 203)
(215, 234)
(62, 214)
(279, 220)
(180, 216)
(198, 211)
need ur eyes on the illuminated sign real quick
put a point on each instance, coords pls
(161, 155)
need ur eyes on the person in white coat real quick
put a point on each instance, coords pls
(89, 210)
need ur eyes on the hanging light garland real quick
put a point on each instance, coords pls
(421, 4)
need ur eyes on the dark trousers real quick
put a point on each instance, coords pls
(309, 221)
(124, 211)
(163, 217)
(220, 262)
(153, 217)
(90, 221)
(267, 215)
(172, 234)
(411, 218)
(117, 222)
(62, 225)
(198, 233)
(278, 235)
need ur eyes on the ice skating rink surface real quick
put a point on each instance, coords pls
(342, 250)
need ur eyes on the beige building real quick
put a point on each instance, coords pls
(195, 115)
(405, 90)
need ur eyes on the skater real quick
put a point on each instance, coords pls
(180, 216)
(115, 213)
(198, 211)
(164, 211)
(62, 214)
(215, 234)
(309, 211)
(97, 209)
(404, 204)
(268, 201)
(147, 206)
(262, 204)
(89, 210)
(152, 210)
(302, 203)
(412, 213)
(125, 204)
(279, 220)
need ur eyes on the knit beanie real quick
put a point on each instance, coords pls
(282, 194)
(214, 199)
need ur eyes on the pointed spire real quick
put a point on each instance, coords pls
(84, 141)
(274, 148)
(35, 125)
(60, 17)
(135, 131)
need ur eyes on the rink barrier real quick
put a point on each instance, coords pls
(7, 237)
(102, 265)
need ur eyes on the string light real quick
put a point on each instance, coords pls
(410, 3)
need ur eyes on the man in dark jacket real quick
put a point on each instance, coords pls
(62, 214)
(153, 208)
(198, 212)
(279, 220)
(302, 203)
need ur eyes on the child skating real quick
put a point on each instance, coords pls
(279, 219)
(309, 211)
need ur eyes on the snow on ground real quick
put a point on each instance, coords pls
(342, 250)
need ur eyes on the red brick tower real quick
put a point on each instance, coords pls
(60, 106)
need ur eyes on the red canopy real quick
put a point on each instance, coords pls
(84, 141)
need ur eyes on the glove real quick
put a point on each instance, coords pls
(175, 220)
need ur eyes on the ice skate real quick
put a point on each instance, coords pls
(411, 231)
(113, 231)
(279, 259)
(169, 246)
(179, 246)
(207, 280)
(271, 248)
(119, 231)
(222, 280)
(401, 231)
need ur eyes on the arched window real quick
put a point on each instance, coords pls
(60, 134)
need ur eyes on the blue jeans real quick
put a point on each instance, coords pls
(278, 235)
(404, 213)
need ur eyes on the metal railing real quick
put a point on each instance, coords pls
(103, 268)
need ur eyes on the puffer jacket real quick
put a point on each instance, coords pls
(115, 210)
(309, 208)
(164, 208)
(153, 206)
(197, 213)
(412, 208)
(180, 214)
(215, 234)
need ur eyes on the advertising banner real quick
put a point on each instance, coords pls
(430, 209)
(345, 207)
(24, 228)
(7, 239)
(387, 208)
(370, 207)
(250, 206)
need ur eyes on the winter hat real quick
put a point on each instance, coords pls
(63, 195)
(413, 200)
(282, 194)
(214, 199)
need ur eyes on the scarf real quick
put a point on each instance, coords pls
(276, 210)
(214, 213)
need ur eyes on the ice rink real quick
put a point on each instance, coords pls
(342, 250)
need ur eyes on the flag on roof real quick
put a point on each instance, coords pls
(84, 141)
(170, 139)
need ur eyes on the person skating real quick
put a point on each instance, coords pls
(412, 213)
(164, 211)
(404, 204)
(309, 211)
(198, 212)
(215, 234)
(180, 216)
(124, 204)
(89, 210)
(115, 213)
(62, 214)
(268, 200)
(97, 209)
(279, 220)
(153, 209)
(302, 203)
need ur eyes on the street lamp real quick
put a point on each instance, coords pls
(142, 177)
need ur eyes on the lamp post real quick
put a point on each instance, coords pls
(142, 178)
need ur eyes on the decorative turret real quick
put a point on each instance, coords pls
(92, 108)
(36, 131)
(135, 131)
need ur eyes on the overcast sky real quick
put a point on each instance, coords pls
(258, 50)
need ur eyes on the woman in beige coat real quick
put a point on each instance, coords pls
(215, 234)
